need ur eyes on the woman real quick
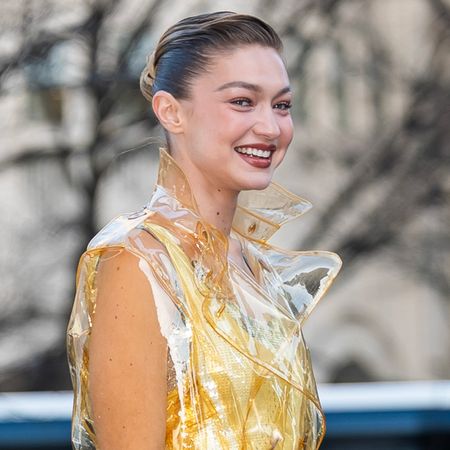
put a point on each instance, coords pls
(186, 326)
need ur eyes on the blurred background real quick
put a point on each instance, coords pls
(79, 145)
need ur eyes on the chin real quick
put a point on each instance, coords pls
(256, 184)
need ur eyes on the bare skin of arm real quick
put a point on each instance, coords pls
(127, 359)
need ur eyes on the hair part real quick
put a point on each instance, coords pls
(187, 49)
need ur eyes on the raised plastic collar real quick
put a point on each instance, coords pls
(259, 213)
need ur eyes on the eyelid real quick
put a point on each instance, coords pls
(287, 105)
(245, 99)
(284, 99)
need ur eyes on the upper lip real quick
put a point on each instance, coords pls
(259, 146)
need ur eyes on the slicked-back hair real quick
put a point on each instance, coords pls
(188, 47)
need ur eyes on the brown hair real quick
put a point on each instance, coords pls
(185, 50)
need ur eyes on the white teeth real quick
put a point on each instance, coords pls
(254, 152)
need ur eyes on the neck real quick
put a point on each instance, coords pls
(216, 204)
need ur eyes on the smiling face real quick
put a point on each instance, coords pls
(235, 127)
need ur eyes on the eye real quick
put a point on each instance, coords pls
(242, 101)
(284, 106)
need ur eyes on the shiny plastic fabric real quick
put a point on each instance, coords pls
(239, 371)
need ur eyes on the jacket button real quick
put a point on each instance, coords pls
(251, 228)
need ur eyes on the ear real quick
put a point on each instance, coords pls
(168, 111)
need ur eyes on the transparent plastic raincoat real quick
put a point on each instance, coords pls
(239, 372)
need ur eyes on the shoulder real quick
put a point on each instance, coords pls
(125, 239)
(128, 271)
(117, 231)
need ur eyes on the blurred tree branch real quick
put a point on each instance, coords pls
(410, 161)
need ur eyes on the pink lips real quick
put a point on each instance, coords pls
(256, 161)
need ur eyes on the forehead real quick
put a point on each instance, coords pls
(253, 64)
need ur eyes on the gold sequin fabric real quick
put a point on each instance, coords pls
(239, 372)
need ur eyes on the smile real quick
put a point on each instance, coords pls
(256, 156)
(254, 152)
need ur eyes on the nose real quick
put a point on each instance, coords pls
(267, 123)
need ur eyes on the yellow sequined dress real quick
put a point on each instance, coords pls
(239, 371)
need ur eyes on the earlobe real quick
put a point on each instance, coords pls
(167, 109)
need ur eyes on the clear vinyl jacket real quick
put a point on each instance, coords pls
(239, 371)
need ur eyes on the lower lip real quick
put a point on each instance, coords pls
(256, 161)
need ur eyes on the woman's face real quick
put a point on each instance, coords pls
(240, 105)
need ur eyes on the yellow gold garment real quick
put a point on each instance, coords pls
(239, 371)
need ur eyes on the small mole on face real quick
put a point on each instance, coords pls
(218, 190)
(117, 268)
(217, 212)
(115, 317)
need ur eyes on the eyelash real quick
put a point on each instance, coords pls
(286, 105)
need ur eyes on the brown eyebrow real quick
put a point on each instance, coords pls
(250, 87)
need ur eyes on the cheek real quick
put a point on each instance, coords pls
(214, 123)
(286, 135)
(231, 126)
(287, 130)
